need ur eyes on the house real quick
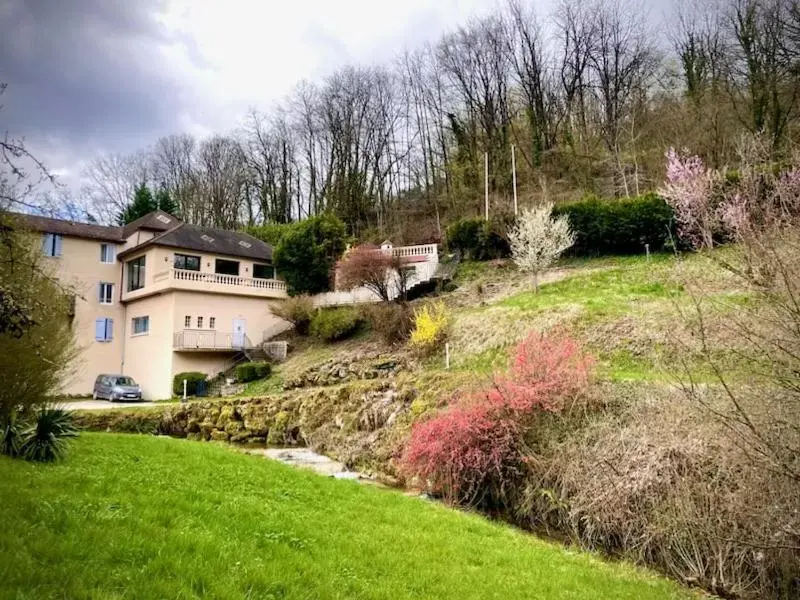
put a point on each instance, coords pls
(158, 297)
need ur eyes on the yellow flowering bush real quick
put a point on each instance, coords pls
(430, 327)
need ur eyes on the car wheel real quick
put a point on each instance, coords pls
(94, 395)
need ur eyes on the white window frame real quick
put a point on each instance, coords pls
(187, 322)
(199, 322)
(105, 298)
(105, 251)
(135, 320)
(212, 322)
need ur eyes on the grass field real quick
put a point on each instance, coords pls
(148, 517)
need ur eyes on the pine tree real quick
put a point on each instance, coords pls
(165, 202)
(143, 203)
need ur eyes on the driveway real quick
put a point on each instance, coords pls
(103, 405)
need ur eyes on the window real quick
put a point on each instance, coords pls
(107, 253)
(199, 322)
(211, 322)
(104, 330)
(51, 244)
(140, 325)
(261, 271)
(227, 267)
(106, 293)
(187, 262)
(136, 273)
(187, 322)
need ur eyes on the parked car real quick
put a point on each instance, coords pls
(116, 387)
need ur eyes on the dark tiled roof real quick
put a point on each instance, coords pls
(157, 220)
(210, 241)
(71, 228)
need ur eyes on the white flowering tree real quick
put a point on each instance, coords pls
(537, 240)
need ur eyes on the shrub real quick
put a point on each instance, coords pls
(297, 310)
(547, 371)
(253, 370)
(192, 379)
(335, 324)
(45, 439)
(392, 321)
(469, 453)
(430, 327)
(479, 239)
(308, 252)
(619, 226)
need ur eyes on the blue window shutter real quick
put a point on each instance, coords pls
(109, 329)
(57, 250)
(100, 292)
(100, 330)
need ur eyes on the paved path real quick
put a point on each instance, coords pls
(103, 405)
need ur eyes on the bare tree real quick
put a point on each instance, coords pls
(622, 59)
(221, 178)
(111, 180)
(174, 164)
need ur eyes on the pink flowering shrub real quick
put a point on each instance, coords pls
(689, 191)
(466, 453)
(472, 452)
(546, 371)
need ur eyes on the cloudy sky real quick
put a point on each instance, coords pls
(92, 76)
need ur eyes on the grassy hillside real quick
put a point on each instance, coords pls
(146, 517)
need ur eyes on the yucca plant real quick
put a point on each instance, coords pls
(10, 436)
(45, 439)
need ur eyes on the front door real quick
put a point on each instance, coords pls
(239, 326)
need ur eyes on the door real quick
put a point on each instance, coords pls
(239, 326)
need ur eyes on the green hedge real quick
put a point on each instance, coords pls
(251, 371)
(192, 378)
(335, 324)
(621, 226)
(478, 239)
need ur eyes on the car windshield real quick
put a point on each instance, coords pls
(123, 381)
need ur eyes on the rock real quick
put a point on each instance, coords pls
(240, 437)
(219, 436)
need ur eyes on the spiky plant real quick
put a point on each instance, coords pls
(10, 436)
(45, 439)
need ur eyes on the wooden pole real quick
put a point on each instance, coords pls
(486, 183)
(514, 178)
(447, 355)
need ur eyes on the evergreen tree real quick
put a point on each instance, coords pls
(143, 203)
(165, 202)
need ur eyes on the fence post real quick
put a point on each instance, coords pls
(447, 355)
(647, 251)
(184, 390)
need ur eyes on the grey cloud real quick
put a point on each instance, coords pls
(82, 70)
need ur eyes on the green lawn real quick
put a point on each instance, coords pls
(151, 517)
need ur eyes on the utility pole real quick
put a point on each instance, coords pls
(486, 183)
(514, 178)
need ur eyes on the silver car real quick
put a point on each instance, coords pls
(116, 387)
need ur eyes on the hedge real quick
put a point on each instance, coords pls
(478, 239)
(621, 226)
(192, 379)
(251, 371)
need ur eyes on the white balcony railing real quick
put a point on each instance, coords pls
(209, 339)
(424, 250)
(220, 279)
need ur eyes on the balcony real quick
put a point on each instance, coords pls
(209, 340)
(213, 283)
